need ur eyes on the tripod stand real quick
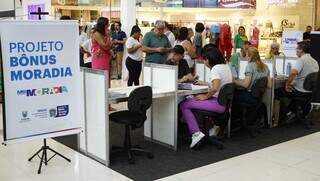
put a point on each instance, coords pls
(44, 157)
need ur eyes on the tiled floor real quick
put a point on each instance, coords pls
(296, 160)
(15, 167)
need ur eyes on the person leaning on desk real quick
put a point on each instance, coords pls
(255, 70)
(304, 66)
(184, 73)
(220, 75)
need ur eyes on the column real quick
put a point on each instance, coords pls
(161, 11)
(128, 19)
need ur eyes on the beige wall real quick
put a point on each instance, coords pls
(302, 13)
(317, 14)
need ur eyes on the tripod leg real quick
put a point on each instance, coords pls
(35, 154)
(41, 161)
(59, 154)
(45, 156)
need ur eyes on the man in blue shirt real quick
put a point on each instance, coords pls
(119, 39)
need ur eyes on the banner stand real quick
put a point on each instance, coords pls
(46, 104)
(44, 157)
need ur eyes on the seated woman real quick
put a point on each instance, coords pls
(255, 70)
(220, 75)
(274, 51)
(184, 74)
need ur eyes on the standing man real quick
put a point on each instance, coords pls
(156, 45)
(169, 34)
(119, 39)
(307, 34)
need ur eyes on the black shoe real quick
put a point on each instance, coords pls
(119, 77)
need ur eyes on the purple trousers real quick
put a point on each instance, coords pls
(207, 105)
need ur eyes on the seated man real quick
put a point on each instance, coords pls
(304, 66)
(184, 74)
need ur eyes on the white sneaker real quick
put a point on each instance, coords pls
(214, 131)
(196, 137)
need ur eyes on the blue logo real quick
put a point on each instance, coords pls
(62, 111)
(24, 114)
(53, 113)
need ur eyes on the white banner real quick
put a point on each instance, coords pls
(41, 79)
(289, 42)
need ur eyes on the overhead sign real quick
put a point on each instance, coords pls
(245, 4)
(41, 79)
(290, 40)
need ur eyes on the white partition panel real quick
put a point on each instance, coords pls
(82, 136)
(161, 123)
(242, 69)
(146, 75)
(207, 73)
(279, 65)
(164, 122)
(164, 78)
(97, 122)
(200, 71)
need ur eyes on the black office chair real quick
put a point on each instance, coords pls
(302, 104)
(139, 102)
(251, 111)
(220, 119)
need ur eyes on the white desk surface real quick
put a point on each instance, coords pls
(125, 91)
(196, 89)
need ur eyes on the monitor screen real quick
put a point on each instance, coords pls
(279, 65)
(289, 63)
(242, 69)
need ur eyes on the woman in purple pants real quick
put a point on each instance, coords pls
(220, 74)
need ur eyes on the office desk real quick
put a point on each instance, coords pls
(117, 95)
(161, 125)
(196, 89)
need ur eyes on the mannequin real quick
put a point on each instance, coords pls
(254, 34)
(225, 44)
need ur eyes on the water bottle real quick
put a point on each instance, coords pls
(289, 66)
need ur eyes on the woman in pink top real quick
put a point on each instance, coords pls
(101, 46)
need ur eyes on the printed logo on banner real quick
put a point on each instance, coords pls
(62, 110)
(53, 113)
(291, 41)
(42, 91)
(24, 116)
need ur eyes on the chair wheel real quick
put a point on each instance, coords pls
(150, 156)
(131, 161)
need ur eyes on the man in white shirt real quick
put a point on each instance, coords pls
(305, 65)
(169, 34)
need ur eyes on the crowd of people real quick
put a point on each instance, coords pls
(162, 47)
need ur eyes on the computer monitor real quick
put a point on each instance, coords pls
(289, 63)
(242, 69)
(279, 65)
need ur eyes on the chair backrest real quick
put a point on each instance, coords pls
(140, 100)
(310, 82)
(226, 94)
(259, 87)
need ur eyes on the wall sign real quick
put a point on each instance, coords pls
(245, 4)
